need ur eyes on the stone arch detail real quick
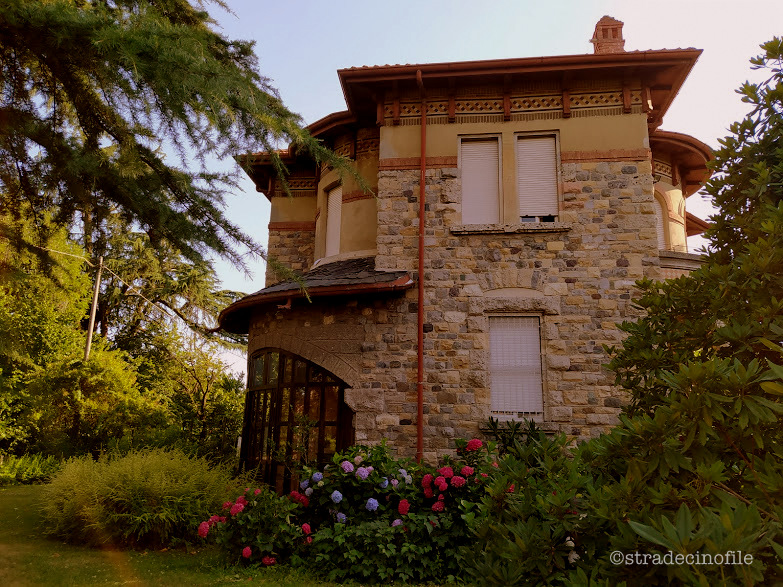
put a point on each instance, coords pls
(307, 350)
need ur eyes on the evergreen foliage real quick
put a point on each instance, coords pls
(98, 99)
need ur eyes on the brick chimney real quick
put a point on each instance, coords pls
(608, 36)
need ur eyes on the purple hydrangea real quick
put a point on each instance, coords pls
(372, 504)
(341, 517)
(384, 483)
(347, 466)
(336, 496)
(304, 484)
(317, 476)
(397, 522)
(309, 491)
(362, 473)
(394, 483)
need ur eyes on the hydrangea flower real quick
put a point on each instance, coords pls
(404, 507)
(320, 484)
(428, 492)
(371, 505)
(358, 459)
(426, 480)
(336, 496)
(473, 444)
(362, 473)
(341, 517)
(227, 505)
(397, 522)
(347, 466)
(408, 480)
(446, 472)
(256, 492)
(309, 491)
(241, 500)
(317, 476)
(402, 472)
(394, 483)
(304, 484)
(203, 529)
(306, 528)
(466, 471)
(236, 508)
(384, 483)
(457, 481)
(437, 506)
(246, 552)
(268, 560)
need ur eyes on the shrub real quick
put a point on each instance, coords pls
(27, 469)
(258, 526)
(146, 498)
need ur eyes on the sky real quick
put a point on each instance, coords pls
(302, 43)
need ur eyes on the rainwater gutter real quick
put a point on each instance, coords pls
(420, 340)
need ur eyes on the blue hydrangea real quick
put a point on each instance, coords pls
(372, 504)
(336, 496)
(317, 476)
(384, 483)
(397, 522)
(309, 491)
(403, 472)
(362, 473)
(341, 517)
(304, 484)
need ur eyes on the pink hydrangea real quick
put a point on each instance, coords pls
(227, 505)
(466, 471)
(246, 552)
(268, 560)
(203, 529)
(426, 480)
(473, 444)
(457, 481)
(241, 499)
(256, 492)
(428, 492)
(404, 507)
(213, 520)
(236, 508)
(447, 472)
(306, 528)
(437, 506)
(440, 480)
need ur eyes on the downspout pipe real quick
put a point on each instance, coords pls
(420, 341)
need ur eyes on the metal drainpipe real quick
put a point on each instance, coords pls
(420, 349)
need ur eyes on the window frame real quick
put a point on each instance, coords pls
(483, 137)
(516, 415)
(519, 218)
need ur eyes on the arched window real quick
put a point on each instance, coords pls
(294, 410)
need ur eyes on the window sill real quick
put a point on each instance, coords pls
(518, 228)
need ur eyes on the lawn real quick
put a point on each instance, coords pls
(29, 558)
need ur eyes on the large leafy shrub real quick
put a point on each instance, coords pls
(146, 498)
(35, 468)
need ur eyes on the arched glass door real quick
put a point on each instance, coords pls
(294, 411)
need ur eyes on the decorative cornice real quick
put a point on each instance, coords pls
(610, 155)
(399, 163)
(310, 226)
(356, 196)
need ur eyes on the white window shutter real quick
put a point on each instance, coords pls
(660, 219)
(515, 365)
(334, 207)
(537, 176)
(480, 167)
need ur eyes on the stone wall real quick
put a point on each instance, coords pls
(576, 274)
(291, 247)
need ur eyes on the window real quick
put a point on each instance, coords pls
(660, 223)
(294, 411)
(334, 206)
(479, 161)
(515, 367)
(537, 178)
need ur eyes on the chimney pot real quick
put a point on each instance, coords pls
(608, 36)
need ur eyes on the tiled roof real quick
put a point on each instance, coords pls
(348, 277)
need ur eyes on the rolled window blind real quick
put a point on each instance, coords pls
(660, 218)
(537, 176)
(480, 167)
(515, 365)
(334, 206)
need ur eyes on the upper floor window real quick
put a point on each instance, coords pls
(479, 161)
(334, 206)
(516, 386)
(537, 191)
(661, 218)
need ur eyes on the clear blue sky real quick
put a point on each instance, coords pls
(301, 44)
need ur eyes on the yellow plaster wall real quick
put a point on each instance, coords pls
(676, 235)
(288, 209)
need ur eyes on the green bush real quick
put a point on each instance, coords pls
(146, 498)
(27, 469)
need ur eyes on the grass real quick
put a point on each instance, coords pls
(28, 558)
